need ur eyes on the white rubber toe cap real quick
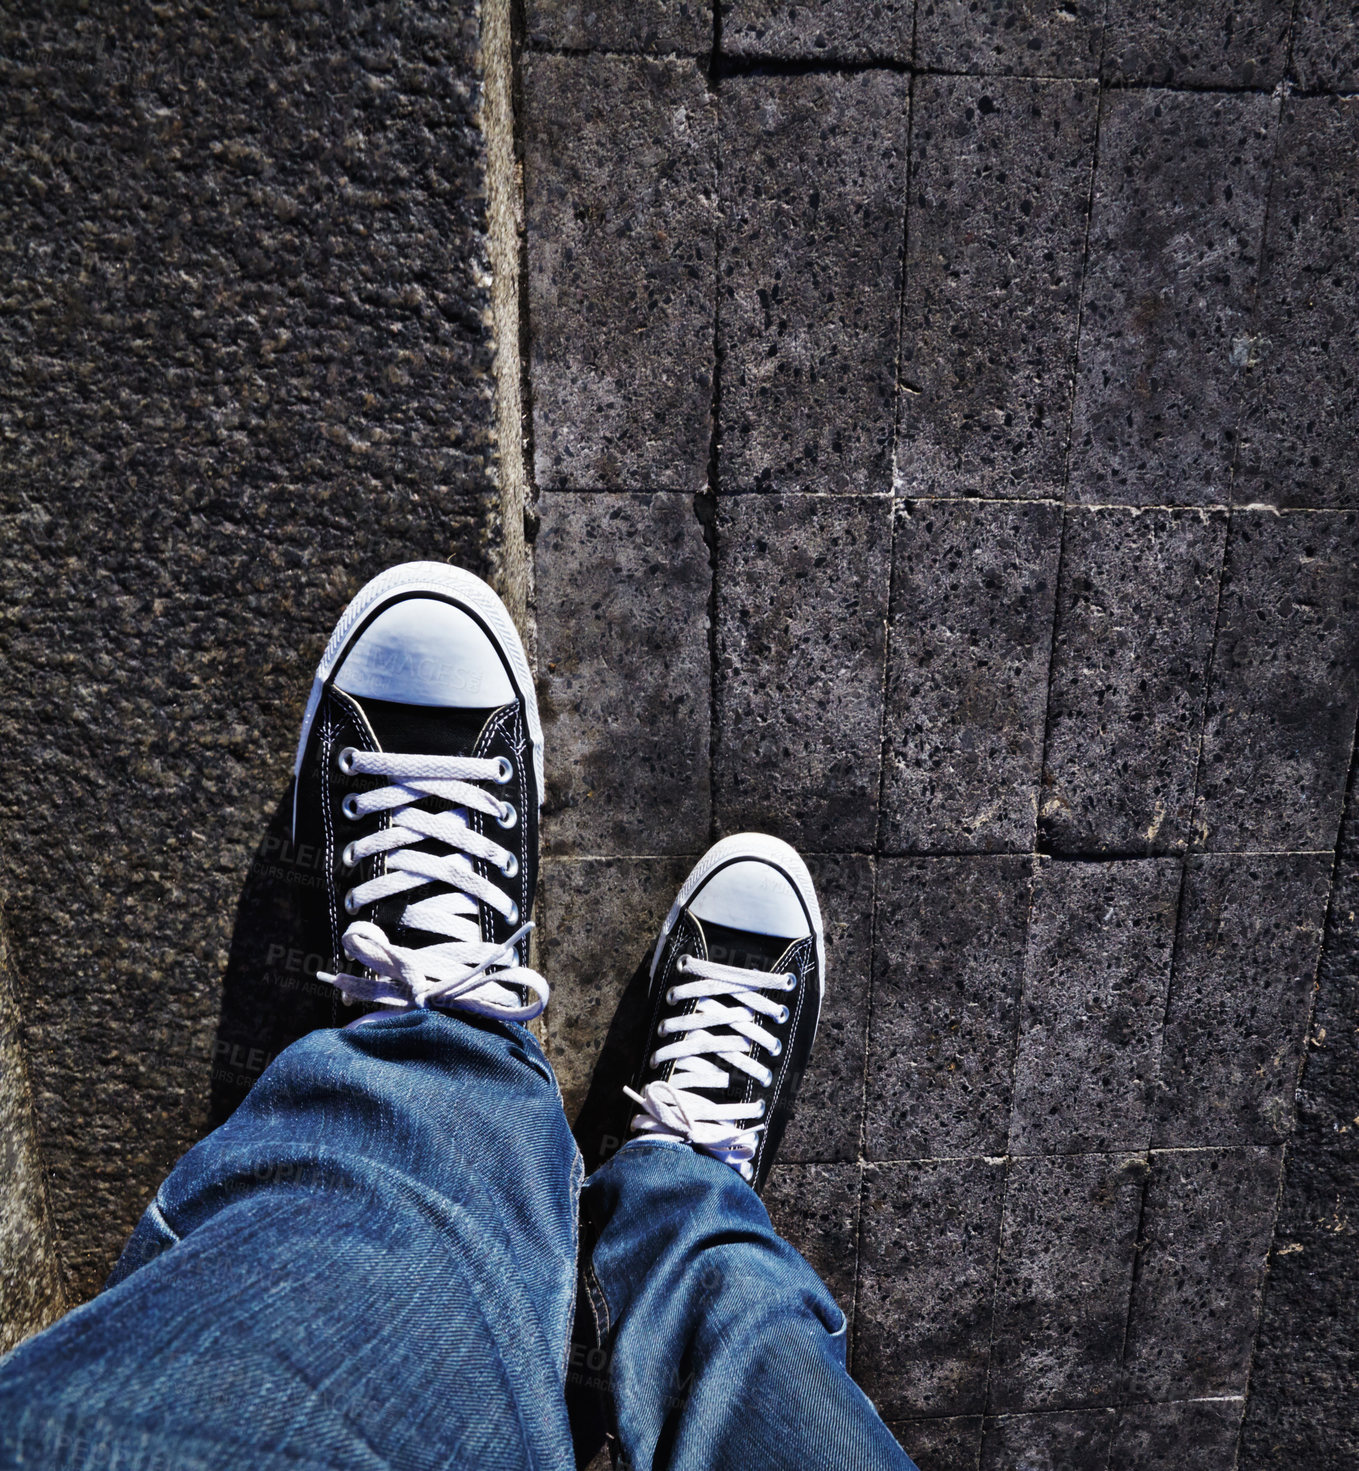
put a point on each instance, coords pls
(754, 896)
(424, 651)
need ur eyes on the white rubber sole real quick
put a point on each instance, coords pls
(769, 850)
(460, 587)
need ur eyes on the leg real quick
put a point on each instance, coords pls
(372, 1262)
(724, 1347)
(369, 1264)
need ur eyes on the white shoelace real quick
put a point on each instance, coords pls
(671, 1108)
(463, 972)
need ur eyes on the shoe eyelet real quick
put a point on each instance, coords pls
(790, 982)
(774, 1051)
(345, 760)
(761, 1113)
(655, 1059)
(782, 1016)
(682, 965)
(510, 867)
(349, 858)
(351, 904)
(505, 772)
(350, 807)
(508, 816)
(768, 1077)
(670, 997)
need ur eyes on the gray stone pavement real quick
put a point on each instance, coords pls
(1010, 564)
(941, 430)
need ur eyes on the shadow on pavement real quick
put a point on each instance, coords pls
(270, 995)
(601, 1126)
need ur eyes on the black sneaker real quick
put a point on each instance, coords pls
(736, 986)
(418, 780)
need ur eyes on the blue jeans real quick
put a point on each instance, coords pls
(372, 1264)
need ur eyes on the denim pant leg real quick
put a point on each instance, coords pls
(371, 1264)
(724, 1350)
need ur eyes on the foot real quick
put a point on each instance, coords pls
(418, 779)
(736, 986)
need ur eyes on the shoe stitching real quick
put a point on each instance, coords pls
(493, 728)
(332, 888)
(803, 970)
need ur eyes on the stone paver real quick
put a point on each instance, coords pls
(648, 26)
(624, 676)
(927, 1254)
(1050, 38)
(1096, 977)
(1198, 1433)
(598, 920)
(1302, 1378)
(801, 608)
(828, 1115)
(1065, 1440)
(1284, 687)
(950, 1443)
(1136, 610)
(1300, 434)
(818, 30)
(1326, 45)
(1175, 231)
(1214, 43)
(1250, 929)
(813, 185)
(247, 375)
(971, 631)
(816, 1208)
(1066, 1266)
(999, 191)
(947, 971)
(1205, 1229)
(620, 202)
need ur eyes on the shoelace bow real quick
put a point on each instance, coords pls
(463, 972)
(671, 1107)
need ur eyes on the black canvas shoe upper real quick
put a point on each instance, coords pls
(735, 997)
(441, 798)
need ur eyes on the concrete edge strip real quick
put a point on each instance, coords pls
(508, 553)
(31, 1290)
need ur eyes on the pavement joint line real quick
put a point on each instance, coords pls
(1041, 774)
(1074, 363)
(728, 65)
(1148, 1153)
(706, 501)
(862, 1134)
(1243, 373)
(1132, 1404)
(1004, 1159)
(895, 494)
(885, 681)
(940, 854)
(1327, 937)
(1258, 1296)
(1176, 949)
(1209, 669)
